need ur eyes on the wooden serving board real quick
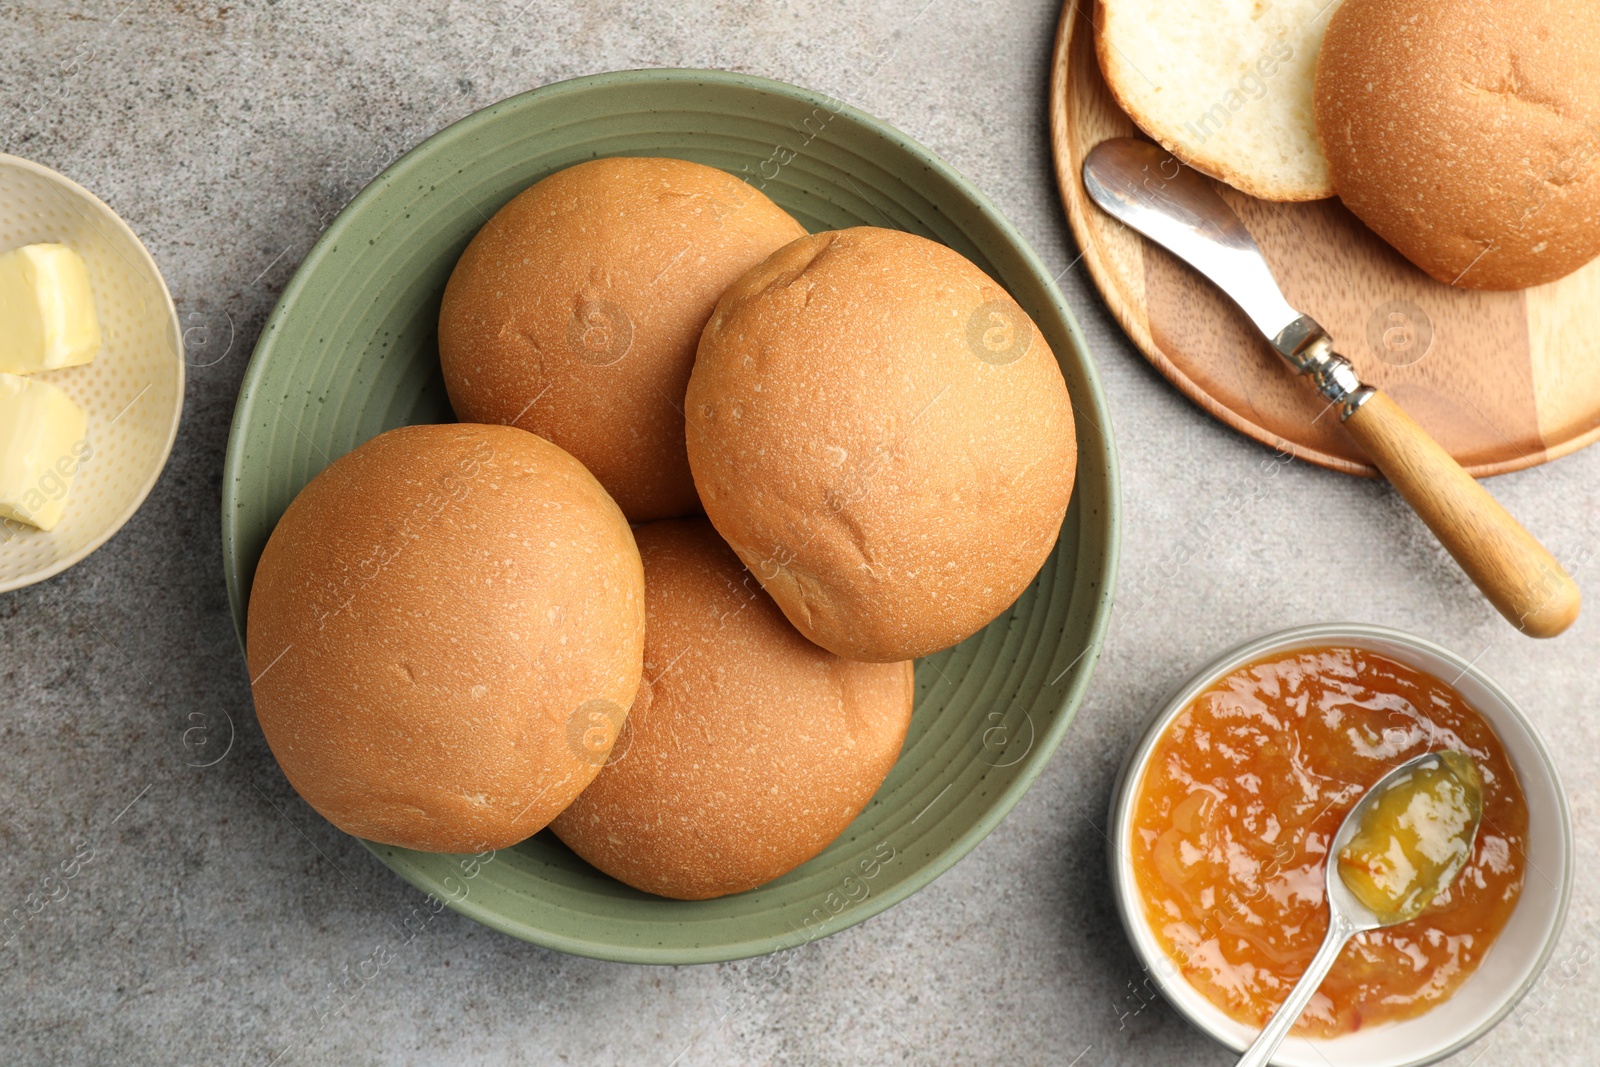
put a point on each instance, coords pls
(1502, 380)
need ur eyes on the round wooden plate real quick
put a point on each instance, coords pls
(1502, 380)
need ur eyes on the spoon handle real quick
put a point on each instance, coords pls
(1260, 1052)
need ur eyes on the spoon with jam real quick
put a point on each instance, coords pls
(1403, 844)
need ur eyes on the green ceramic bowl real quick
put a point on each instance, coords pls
(350, 352)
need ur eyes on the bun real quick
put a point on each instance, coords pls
(575, 311)
(1466, 133)
(748, 749)
(444, 631)
(885, 439)
(1223, 86)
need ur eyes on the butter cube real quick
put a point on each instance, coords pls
(43, 443)
(47, 315)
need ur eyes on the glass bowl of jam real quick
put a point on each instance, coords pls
(1221, 823)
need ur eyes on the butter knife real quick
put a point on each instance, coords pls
(1145, 187)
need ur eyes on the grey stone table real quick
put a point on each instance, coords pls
(218, 911)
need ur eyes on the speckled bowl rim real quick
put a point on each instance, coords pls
(1090, 402)
(165, 452)
(1118, 835)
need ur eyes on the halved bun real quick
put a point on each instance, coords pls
(1224, 85)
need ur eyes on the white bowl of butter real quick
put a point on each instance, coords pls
(89, 405)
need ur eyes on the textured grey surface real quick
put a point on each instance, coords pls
(218, 912)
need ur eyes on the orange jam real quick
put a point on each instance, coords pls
(1233, 817)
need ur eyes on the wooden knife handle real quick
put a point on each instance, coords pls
(1513, 569)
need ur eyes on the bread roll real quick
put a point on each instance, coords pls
(1224, 85)
(1466, 133)
(748, 748)
(444, 631)
(885, 439)
(575, 311)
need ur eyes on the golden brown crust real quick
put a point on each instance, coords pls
(432, 627)
(884, 438)
(575, 311)
(748, 749)
(1466, 133)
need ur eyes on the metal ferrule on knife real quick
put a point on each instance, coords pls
(1309, 350)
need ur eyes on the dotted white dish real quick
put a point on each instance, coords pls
(132, 392)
